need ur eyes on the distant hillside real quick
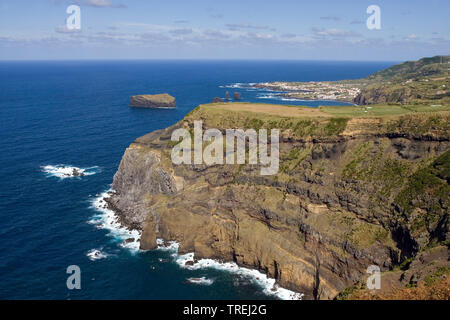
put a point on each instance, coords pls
(426, 67)
(425, 79)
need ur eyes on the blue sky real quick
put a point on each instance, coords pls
(212, 29)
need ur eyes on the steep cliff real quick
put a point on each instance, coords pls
(354, 189)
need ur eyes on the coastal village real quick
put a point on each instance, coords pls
(332, 90)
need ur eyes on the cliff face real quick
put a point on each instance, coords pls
(350, 193)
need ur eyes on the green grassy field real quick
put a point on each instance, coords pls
(384, 109)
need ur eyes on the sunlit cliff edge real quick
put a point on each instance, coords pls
(357, 186)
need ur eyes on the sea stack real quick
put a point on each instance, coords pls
(163, 100)
(217, 100)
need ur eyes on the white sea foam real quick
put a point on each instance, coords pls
(169, 246)
(236, 85)
(290, 99)
(67, 171)
(201, 281)
(269, 286)
(265, 96)
(248, 87)
(96, 254)
(273, 96)
(108, 220)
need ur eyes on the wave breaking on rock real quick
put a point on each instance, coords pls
(108, 220)
(63, 171)
(187, 261)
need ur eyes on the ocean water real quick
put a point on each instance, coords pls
(59, 115)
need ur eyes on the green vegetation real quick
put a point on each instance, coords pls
(433, 123)
(412, 81)
(426, 67)
(348, 292)
(441, 271)
(215, 117)
(404, 265)
(293, 159)
(391, 174)
(335, 126)
(353, 169)
(384, 109)
(427, 191)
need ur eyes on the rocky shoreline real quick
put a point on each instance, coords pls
(189, 261)
(121, 216)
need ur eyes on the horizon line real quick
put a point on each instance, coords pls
(196, 59)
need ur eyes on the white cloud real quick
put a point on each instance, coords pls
(64, 29)
(334, 33)
(240, 26)
(99, 3)
(411, 36)
(179, 32)
(333, 18)
(216, 34)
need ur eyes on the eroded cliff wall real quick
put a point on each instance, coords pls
(349, 193)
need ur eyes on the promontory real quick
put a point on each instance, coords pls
(357, 187)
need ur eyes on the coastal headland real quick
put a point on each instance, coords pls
(358, 186)
(425, 79)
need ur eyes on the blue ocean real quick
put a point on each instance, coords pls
(56, 115)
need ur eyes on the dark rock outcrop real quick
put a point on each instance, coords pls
(217, 100)
(163, 100)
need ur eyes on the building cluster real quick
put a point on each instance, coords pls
(313, 90)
